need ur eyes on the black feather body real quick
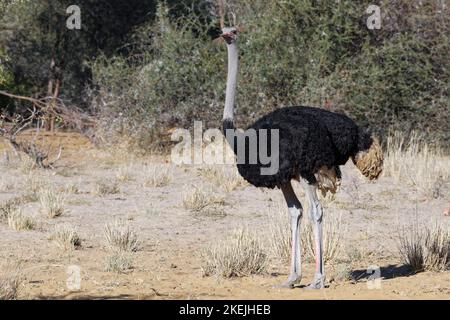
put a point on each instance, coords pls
(309, 138)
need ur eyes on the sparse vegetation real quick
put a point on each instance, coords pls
(225, 177)
(71, 189)
(241, 254)
(65, 172)
(425, 247)
(120, 238)
(415, 162)
(119, 263)
(18, 221)
(354, 254)
(66, 237)
(280, 235)
(341, 272)
(200, 201)
(332, 237)
(6, 186)
(157, 177)
(26, 165)
(11, 277)
(8, 206)
(102, 188)
(32, 187)
(121, 241)
(230, 180)
(279, 232)
(124, 174)
(52, 202)
(438, 248)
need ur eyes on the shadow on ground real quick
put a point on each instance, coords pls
(388, 272)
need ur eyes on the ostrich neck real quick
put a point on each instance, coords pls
(230, 98)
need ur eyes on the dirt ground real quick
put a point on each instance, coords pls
(168, 264)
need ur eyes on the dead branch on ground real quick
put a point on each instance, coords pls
(11, 127)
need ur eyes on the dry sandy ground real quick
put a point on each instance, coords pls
(168, 264)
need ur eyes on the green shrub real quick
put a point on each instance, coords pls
(293, 52)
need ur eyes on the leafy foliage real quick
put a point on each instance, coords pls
(293, 52)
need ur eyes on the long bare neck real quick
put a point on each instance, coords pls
(230, 98)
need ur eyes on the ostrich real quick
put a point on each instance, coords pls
(312, 144)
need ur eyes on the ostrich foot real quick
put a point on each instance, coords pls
(318, 283)
(289, 283)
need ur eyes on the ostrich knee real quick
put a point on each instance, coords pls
(316, 211)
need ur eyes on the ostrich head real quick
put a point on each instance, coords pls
(369, 158)
(229, 35)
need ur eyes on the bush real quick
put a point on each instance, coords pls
(11, 278)
(239, 255)
(120, 238)
(66, 237)
(18, 221)
(417, 163)
(425, 247)
(293, 53)
(52, 202)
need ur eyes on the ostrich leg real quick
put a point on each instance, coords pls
(295, 211)
(316, 214)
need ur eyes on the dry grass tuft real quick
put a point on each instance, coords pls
(71, 189)
(411, 248)
(119, 263)
(355, 254)
(10, 280)
(227, 178)
(120, 238)
(342, 272)
(26, 165)
(280, 235)
(413, 161)
(279, 232)
(202, 201)
(102, 188)
(66, 237)
(32, 186)
(123, 173)
(438, 249)
(52, 202)
(7, 186)
(209, 172)
(332, 238)
(8, 206)
(425, 247)
(121, 241)
(19, 221)
(241, 254)
(157, 177)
